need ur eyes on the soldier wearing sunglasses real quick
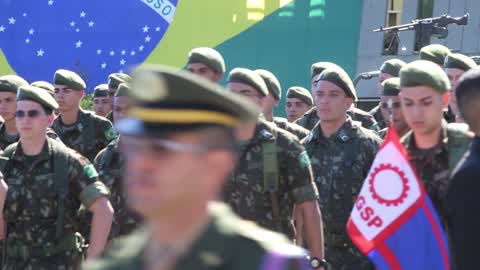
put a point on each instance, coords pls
(45, 184)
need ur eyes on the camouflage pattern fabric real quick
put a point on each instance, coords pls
(340, 164)
(310, 119)
(244, 190)
(376, 113)
(31, 208)
(293, 128)
(76, 136)
(110, 166)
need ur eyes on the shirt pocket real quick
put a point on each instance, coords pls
(41, 197)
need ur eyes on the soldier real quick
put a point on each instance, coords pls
(78, 129)
(310, 118)
(341, 152)
(207, 63)
(102, 104)
(455, 65)
(114, 80)
(389, 69)
(45, 184)
(299, 101)
(46, 86)
(273, 175)
(434, 148)
(272, 100)
(435, 53)
(8, 91)
(390, 108)
(110, 166)
(185, 231)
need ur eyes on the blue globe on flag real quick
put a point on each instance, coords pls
(92, 38)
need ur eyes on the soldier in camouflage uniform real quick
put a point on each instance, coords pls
(390, 108)
(102, 103)
(434, 147)
(110, 166)
(78, 129)
(47, 182)
(114, 80)
(272, 100)
(184, 230)
(310, 118)
(389, 69)
(273, 170)
(298, 102)
(341, 152)
(8, 92)
(207, 63)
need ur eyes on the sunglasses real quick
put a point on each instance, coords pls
(31, 113)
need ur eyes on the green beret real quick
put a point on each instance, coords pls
(46, 86)
(248, 77)
(427, 73)
(339, 77)
(37, 94)
(10, 83)
(209, 57)
(300, 93)
(392, 67)
(319, 67)
(70, 79)
(115, 79)
(460, 61)
(123, 90)
(273, 85)
(391, 87)
(435, 53)
(168, 100)
(101, 90)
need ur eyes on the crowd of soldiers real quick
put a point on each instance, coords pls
(205, 177)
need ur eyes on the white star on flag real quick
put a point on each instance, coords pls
(157, 29)
(78, 44)
(104, 65)
(40, 52)
(91, 23)
(24, 14)
(11, 20)
(112, 53)
(27, 40)
(50, 2)
(123, 52)
(83, 14)
(77, 30)
(141, 48)
(99, 51)
(72, 24)
(147, 39)
(132, 53)
(145, 28)
(120, 71)
(122, 62)
(31, 31)
(2, 28)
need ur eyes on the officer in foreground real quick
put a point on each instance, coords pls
(175, 167)
(45, 184)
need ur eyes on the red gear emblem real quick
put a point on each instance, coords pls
(388, 202)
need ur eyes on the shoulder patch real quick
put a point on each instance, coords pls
(304, 160)
(90, 171)
(110, 134)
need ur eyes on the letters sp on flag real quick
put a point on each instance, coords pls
(163, 7)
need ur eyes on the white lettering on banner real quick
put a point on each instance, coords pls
(390, 189)
(163, 7)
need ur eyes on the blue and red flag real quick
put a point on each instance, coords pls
(393, 220)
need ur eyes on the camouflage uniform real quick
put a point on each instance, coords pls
(245, 192)
(295, 129)
(340, 164)
(88, 136)
(377, 114)
(32, 208)
(109, 116)
(433, 167)
(110, 165)
(310, 119)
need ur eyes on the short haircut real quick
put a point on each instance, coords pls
(468, 98)
(48, 111)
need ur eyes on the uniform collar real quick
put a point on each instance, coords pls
(415, 152)
(342, 135)
(45, 154)
(263, 131)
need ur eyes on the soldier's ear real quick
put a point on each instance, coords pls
(50, 119)
(445, 99)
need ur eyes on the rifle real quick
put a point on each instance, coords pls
(426, 28)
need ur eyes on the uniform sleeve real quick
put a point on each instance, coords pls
(299, 173)
(86, 183)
